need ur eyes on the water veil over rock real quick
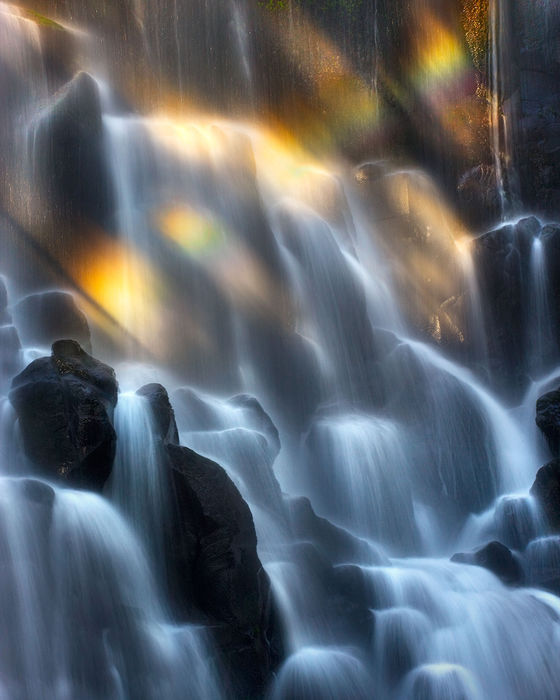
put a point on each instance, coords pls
(279, 350)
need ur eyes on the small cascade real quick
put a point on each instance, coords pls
(74, 573)
(345, 318)
(476, 321)
(514, 520)
(245, 454)
(515, 457)
(322, 674)
(448, 620)
(540, 340)
(137, 485)
(351, 483)
(9, 452)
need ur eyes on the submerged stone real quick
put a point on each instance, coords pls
(70, 151)
(45, 317)
(10, 352)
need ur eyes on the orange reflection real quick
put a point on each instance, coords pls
(124, 285)
(196, 233)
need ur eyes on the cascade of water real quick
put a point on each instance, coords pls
(390, 439)
(82, 614)
(448, 620)
(351, 483)
(515, 457)
(137, 483)
(539, 330)
(322, 674)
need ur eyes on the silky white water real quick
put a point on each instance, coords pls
(251, 278)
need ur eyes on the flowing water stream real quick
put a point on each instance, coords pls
(244, 268)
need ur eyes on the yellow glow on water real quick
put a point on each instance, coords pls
(182, 137)
(234, 268)
(194, 232)
(124, 285)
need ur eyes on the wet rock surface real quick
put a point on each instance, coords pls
(498, 559)
(213, 563)
(546, 489)
(163, 412)
(548, 419)
(64, 404)
(335, 543)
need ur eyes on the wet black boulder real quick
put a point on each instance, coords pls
(212, 561)
(65, 406)
(546, 489)
(548, 419)
(497, 558)
(164, 415)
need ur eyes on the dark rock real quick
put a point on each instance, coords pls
(70, 150)
(10, 352)
(502, 260)
(337, 544)
(48, 316)
(548, 419)
(162, 410)
(212, 560)
(497, 558)
(546, 489)
(478, 190)
(65, 404)
(288, 368)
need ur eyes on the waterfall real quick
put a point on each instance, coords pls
(540, 333)
(326, 338)
(137, 484)
(75, 574)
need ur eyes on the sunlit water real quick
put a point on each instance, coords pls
(260, 265)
